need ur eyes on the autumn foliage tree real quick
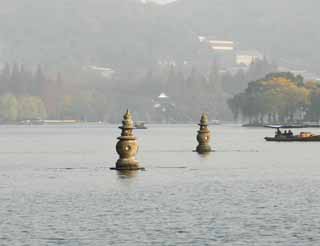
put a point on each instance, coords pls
(277, 98)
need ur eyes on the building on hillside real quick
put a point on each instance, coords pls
(217, 50)
(164, 108)
(221, 45)
(167, 62)
(248, 57)
(104, 71)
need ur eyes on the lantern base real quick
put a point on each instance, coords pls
(128, 168)
(204, 152)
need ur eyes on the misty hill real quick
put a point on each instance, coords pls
(71, 32)
(286, 29)
(129, 34)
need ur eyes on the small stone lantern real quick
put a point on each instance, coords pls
(204, 136)
(127, 146)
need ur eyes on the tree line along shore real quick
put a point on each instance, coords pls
(278, 98)
(85, 95)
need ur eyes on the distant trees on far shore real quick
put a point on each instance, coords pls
(14, 108)
(26, 94)
(85, 95)
(278, 98)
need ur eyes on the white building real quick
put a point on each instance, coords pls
(104, 71)
(222, 45)
(248, 57)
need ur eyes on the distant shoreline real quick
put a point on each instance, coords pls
(287, 125)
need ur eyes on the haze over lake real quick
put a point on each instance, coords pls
(56, 188)
(72, 71)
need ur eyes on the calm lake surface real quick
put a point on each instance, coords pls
(56, 188)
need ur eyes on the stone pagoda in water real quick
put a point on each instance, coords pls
(127, 146)
(203, 136)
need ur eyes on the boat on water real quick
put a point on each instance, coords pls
(289, 137)
(140, 125)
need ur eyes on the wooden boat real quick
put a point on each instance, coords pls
(140, 125)
(302, 137)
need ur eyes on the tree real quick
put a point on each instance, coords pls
(8, 108)
(15, 80)
(5, 79)
(278, 96)
(39, 80)
(30, 108)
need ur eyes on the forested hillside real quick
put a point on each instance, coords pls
(150, 49)
(116, 33)
(126, 32)
(284, 29)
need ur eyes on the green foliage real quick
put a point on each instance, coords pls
(21, 108)
(313, 112)
(281, 97)
(91, 97)
(30, 108)
(8, 108)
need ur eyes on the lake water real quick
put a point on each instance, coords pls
(56, 188)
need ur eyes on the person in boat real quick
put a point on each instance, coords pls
(278, 133)
(285, 133)
(290, 134)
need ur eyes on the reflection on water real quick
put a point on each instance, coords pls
(204, 155)
(54, 190)
(127, 174)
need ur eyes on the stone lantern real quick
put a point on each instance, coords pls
(203, 136)
(127, 146)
